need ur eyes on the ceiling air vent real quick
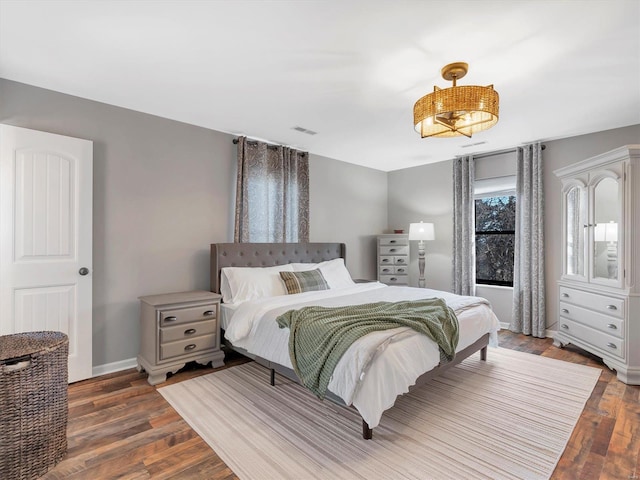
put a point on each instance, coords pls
(304, 130)
(472, 144)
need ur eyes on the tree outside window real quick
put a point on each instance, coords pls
(495, 224)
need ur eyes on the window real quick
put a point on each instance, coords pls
(495, 224)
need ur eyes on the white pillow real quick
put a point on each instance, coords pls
(333, 271)
(239, 284)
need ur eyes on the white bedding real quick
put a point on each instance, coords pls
(364, 377)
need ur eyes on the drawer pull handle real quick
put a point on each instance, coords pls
(393, 249)
(393, 279)
(565, 326)
(191, 346)
(611, 307)
(170, 319)
(385, 270)
(611, 345)
(564, 310)
(385, 260)
(208, 313)
(392, 241)
(190, 331)
(401, 270)
(612, 326)
(565, 295)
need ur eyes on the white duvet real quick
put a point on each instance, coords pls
(378, 367)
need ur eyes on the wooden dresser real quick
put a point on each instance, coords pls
(393, 259)
(177, 328)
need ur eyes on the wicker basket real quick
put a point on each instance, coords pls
(33, 403)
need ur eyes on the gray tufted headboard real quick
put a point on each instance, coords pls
(268, 255)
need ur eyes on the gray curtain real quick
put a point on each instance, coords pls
(272, 194)
(464, 255)
(528, 277)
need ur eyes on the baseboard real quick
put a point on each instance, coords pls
(114, 367)
(549, 333)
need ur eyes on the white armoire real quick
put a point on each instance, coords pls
(599, 293)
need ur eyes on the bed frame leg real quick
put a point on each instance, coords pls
(483, 353)
(272, 380)
(367, 433)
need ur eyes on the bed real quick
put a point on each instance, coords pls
(376, 369)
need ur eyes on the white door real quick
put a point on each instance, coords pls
(46, 196)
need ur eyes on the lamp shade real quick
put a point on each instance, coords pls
(421, 231)
(606, 232)
(456, 111)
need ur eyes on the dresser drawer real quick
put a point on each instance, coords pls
(601, 341)
(599, 321)
(393, 241)
(394, 270)
(387, 269)
(609, 305)
(186, 315)
(187, 330)
(186, 347)
(394, 250)
(389, 260)
(394, 279)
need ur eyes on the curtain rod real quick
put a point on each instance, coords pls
(497, 152)
(270, 146)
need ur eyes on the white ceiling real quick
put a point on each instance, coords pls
(349, 70)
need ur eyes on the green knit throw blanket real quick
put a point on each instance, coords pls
(321, 335)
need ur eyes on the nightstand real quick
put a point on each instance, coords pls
(176, 328)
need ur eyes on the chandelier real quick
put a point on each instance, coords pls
(455, 111)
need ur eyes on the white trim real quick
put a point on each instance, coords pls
(114, 367)
(548, 332)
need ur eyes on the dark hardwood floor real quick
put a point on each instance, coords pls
(121, 427)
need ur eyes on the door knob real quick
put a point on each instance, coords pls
(83, 271)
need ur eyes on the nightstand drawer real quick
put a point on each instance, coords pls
(604, 323)
(187, 330)
(186, 347)
(602, 341)
(185, 315)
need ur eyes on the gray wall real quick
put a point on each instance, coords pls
(348, 203)
(425, 193)
(163, 191)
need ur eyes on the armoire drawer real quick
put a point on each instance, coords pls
(599, 321)
(595, 338)
(609, 305)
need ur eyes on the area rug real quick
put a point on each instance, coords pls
(507, 418)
